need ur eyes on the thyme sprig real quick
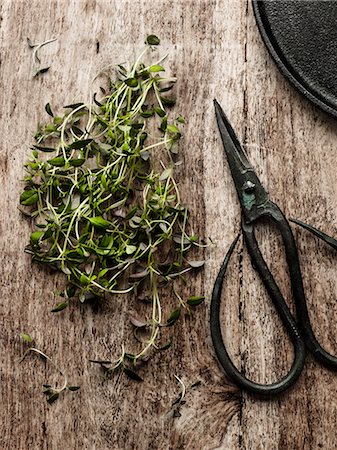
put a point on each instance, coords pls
(102, 194)
(53, 392)
(38, 69)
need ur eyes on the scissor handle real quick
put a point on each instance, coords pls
(234, 374)
(303, 320)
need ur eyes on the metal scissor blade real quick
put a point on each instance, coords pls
(253, 197)
(235, 154)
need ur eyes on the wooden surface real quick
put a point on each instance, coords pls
(215, 51)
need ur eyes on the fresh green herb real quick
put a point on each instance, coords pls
(53, 393)
(180, 400)
(37, 62)
(60, 307)
(26, 337)
(107, 209)
(152, 40)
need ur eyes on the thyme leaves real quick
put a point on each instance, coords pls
(102, 193)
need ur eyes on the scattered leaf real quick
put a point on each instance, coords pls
(196, 264)
(53, 398)
(60, 307)
(26, 337)
(40, 71)
(100, 361)
(139, 323)
(174, 316)
(131, 374)
(74, 105)
(44, 149)
(195, 300)
(152, 40)
(48, 110)
(166, 346)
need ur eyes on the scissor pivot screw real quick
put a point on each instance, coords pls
(249, 187)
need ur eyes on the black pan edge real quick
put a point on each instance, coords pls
(284, 67)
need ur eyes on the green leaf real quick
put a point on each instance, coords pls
(156, 68)
(70, 291)
(59, 161)
(96, 101)
(131, 82)
(132, 212)
(36, 236)
(100, 361)
(166, 346)
(173, 129)
(74, 388)
(146, 114)
(58, 120)
(48, 110)
(130, 249)
(166, 174)
(99, 222)
(130, 356)
(77, 131)
(47, 389)
(30, 44)
(152, 40)
(84, 279)
(26, 337)
(163, 124)
(166, 88)
(50, 128)
(160, 112)
(43, 70)
(195, 300)
(27, 194)
(80, 144)
(125, 129)
(104, 181)
(53, 397)
(167, 101)
(131, 374)
(102, 273)
(44, 149)
(76, 162)
(174, 316)
(31, 200)
(74, 105)
(60, 307)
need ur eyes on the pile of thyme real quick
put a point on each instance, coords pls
(103, 198)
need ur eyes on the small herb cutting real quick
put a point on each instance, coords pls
(255, 204)
(105, 206)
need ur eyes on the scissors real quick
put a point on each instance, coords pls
(255, 204)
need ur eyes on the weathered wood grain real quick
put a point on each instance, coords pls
(215, 51)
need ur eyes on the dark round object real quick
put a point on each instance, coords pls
(302, 38)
